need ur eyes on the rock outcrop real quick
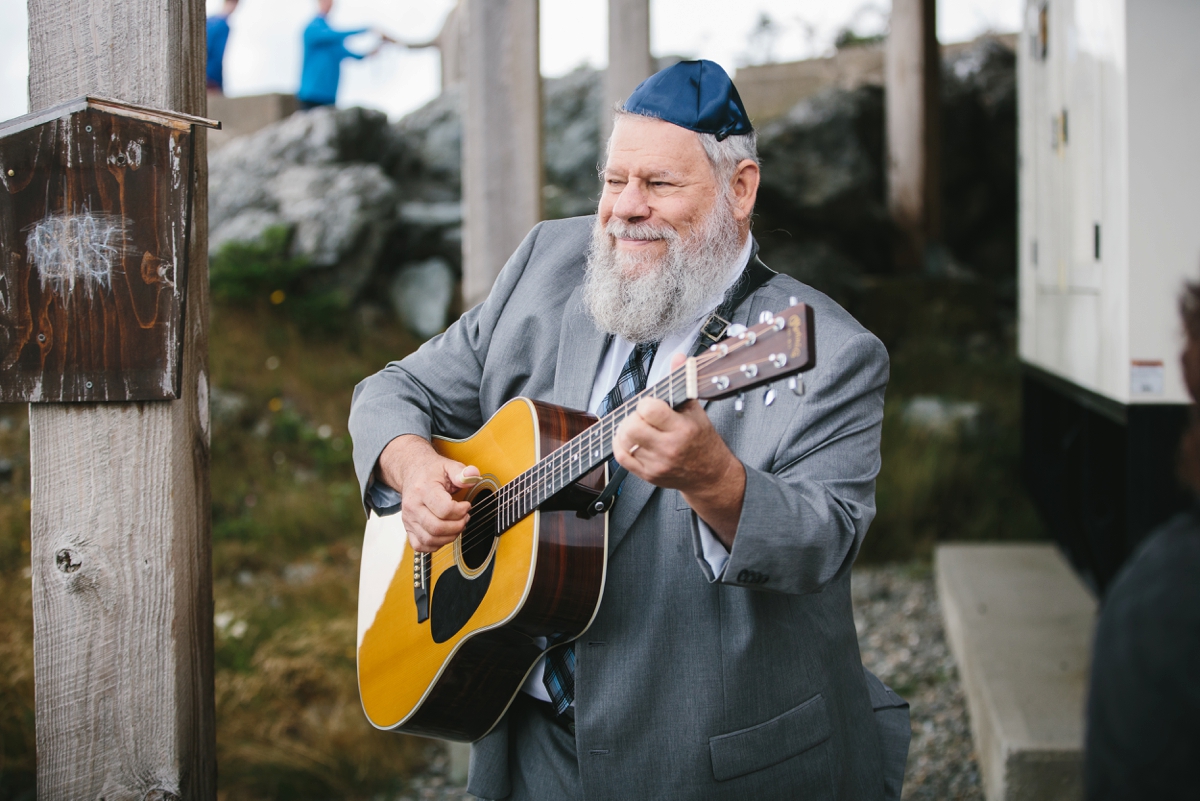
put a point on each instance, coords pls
(376, 210)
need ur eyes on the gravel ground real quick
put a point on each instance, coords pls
(900, 633)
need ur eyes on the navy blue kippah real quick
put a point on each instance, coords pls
(696, 95)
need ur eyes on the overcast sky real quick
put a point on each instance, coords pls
(264, 48)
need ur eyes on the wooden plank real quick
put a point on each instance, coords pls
(93, 245)
(629, 59)
(502, 137)
(913, 74)
(174, 119)
(121, 550)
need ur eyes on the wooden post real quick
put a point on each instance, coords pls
(629, 59)
(122, 584)
(502, 137)
(914, 129)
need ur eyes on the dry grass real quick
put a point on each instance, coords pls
(287, 526)
(16, 610)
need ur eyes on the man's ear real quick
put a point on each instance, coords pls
(744, 186)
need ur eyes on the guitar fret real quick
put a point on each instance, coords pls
(587, 451)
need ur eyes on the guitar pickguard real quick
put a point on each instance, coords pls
(455, 599)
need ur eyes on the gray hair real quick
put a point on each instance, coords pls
(723, 155)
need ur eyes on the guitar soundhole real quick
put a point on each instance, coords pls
(476, 545)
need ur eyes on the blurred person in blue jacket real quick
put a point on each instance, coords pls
(217, 30)
(324, 50)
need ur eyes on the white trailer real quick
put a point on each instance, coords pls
(1109, 138)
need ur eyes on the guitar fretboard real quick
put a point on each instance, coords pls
(520, 497)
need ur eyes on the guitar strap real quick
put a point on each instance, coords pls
(752, 278)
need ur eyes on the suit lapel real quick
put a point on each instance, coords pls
(581, 347)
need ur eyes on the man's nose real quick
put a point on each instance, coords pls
(631, 205)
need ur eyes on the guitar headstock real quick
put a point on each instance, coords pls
(774, 348)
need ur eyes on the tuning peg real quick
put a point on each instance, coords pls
(735, 329)
(765, 317)
(796, 385)
(792, 301)
(769, 396)
(739, 404)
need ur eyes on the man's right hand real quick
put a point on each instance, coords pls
(426, 481)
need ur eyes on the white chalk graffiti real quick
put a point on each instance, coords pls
(77, 252)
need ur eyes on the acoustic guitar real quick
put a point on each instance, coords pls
(446, 639)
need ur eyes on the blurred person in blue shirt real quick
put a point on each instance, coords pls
(217, 29)
(324, 49)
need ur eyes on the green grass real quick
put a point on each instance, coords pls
(287, 526)
(956, 341)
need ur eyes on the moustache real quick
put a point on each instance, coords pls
(643, 232)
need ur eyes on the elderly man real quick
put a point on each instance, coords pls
(723, 661)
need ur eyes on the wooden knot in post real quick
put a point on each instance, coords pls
(67, 560)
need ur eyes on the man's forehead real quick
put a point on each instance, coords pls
(654, 148)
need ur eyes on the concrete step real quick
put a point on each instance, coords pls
(1019, 623)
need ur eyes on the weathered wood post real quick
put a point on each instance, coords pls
(121, 552)
(502, 137)
(629, 59)
(914, 129)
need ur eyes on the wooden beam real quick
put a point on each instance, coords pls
(123, 652)
(629, 59)
(502, 137)
(912, 68)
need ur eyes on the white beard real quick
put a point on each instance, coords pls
(645, 297)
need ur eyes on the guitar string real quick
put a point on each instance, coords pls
(485, 516)
(530, 483)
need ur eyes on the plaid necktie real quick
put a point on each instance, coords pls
(559, 676)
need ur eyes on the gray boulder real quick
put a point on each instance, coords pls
(428, 150)
(300, 173)
(421, 295)
(571, 114)
(341, 216)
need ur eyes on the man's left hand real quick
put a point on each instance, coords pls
(680, 449)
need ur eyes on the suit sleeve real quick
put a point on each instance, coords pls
(804, 519)
(435, 389)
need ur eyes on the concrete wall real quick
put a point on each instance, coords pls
(244, 115)
(770, 90)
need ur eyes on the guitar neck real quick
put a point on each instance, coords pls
(779, 346)
(587, 451)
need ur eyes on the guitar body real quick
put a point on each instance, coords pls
(449, 666)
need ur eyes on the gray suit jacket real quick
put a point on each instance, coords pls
(688, 685)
